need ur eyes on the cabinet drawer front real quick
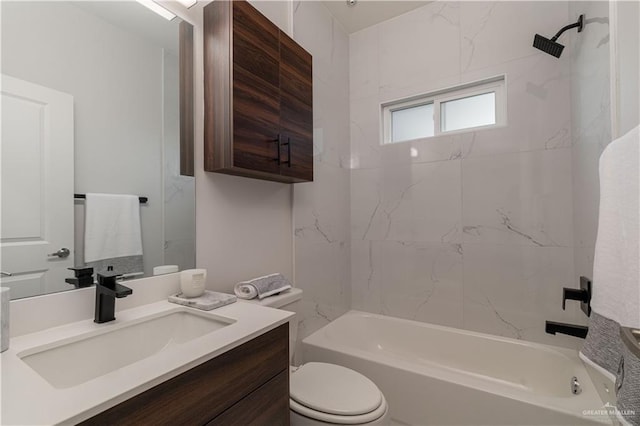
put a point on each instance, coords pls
(268, 405)
(204, 392)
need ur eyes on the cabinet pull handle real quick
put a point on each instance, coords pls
(277, 141)
(288, 144)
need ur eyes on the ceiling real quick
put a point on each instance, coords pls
(369, 12)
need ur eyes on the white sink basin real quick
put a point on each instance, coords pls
(76, 360)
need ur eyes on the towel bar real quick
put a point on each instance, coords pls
(143, 200)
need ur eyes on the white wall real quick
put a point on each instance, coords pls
(471, 230)
(116, 80)
(244, 226)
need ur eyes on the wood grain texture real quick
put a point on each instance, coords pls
(206, 391)
(256, 96)
(266, 406)
(186, 98)
(263, 94)
(296, 108)
(217, 86)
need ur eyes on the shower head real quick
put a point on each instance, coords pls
(548, 46)
(552, 47)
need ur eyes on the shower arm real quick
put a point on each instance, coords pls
(579, 25)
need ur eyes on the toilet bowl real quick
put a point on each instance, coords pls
(327, 394)
(323, 394)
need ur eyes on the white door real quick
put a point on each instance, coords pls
(36, 150)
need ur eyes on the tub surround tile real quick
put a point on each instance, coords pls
(331, 122)
(521, 199)
(513, 290)
(317, 315)
(364, 128)
(591, 124)
(411, 47)
(537, 92)
(499, 31)
(364, 63)
(365, 288)
(590, 91)
(412, 280)
(421, 202)
(420, 281)
(323, 272)
(586, 193)
(502, 193)
(321, 208)
(486, 318)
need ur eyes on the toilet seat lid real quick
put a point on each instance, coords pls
(333, 389)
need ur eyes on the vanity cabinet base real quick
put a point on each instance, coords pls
(264, 406)
(246, 385)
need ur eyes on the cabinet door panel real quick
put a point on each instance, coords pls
(208, 390)
(268, 405)
(296, 109)
(249, 57)
(255, 123)
(300, 168)
(258, 88)
(295, 116)
(256, 94)
(256, 29)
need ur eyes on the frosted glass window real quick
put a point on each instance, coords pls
(464, 113)
(412, 123)
(466, 107)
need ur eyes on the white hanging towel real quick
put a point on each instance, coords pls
(112, 227)
(615, 299)
(616, 273)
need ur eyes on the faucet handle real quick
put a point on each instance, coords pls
(583, 294)
(573, 294)
(107, 278)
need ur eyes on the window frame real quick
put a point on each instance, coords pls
(495, 85)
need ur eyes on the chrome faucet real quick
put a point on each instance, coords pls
(107, 290)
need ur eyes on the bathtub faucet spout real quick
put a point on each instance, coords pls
(553, 327)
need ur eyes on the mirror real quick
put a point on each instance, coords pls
(96, 98)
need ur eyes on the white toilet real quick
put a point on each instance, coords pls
(323, 394)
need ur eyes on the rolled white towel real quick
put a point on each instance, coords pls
(262, 287)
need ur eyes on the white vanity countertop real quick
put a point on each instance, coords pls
(27, 398)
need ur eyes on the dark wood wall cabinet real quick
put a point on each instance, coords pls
(248, 385)
(258, 97)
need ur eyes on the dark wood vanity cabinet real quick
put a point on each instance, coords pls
(248, 385)
(258, 97)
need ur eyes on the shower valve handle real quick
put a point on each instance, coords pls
(574, 294)
(582, 294)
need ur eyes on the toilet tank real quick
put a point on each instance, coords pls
(290, 300)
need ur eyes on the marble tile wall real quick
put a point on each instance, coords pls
(591, 123)
(321, 209)
(474, 230)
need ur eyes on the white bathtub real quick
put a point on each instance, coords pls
(434, 375)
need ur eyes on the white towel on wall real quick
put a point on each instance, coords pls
(616, 273)
(112, 227)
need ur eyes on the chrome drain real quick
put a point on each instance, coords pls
(576, 389)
